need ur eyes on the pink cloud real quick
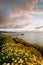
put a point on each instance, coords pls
(20, 14)
(37, 11)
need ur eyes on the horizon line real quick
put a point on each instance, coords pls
(19, 30)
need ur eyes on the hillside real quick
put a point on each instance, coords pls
(15, 51)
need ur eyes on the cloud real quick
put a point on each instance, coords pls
(16, 13)
(16, 22)
(38, 9)
(37, 12)
(39, 27)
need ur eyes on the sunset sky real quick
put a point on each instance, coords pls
(21, 14)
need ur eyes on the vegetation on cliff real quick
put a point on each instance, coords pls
(15, 51)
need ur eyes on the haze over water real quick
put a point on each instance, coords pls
(32, 37)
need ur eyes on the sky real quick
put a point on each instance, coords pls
(21, 14)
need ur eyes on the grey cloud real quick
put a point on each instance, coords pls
(20, 26)
(7, 8)
(39, 27)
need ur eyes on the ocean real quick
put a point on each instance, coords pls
(32, 37)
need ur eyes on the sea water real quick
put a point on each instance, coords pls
(32, 37)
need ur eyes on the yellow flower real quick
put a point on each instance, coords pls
(16, 64)
(28, 63)
(12, 63)
(42, 61)
(26, 54)
(21, 61)
(16, 50)
(20, 64)
(35, 58)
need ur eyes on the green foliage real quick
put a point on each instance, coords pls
(36, 46)
(18, 49)
(5, 39)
